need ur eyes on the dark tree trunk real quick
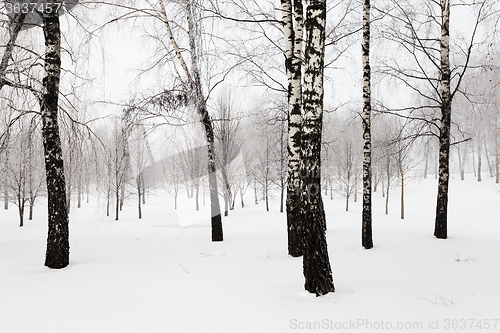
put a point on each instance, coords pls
(267, 198)
(57, 255)
(117, 206)
(316, 263)
(441, 225)
(282, 196)
(30, 217)
(402, 196)
(367, 241)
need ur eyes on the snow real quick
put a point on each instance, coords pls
(163, 274)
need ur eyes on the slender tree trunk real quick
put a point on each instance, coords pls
(266, 197)
(255, 191)
(69, 194)
(479, 163)
(242, 202)
(139, 196)
(474, 162)
(347, 203)
(387, 196)
(293, 64)
(79, 190)
(122, 196)
(486, 153)
(441, 225)
(436, 166)
(282, 195)
(197, 194)
(57, 255)
(461, 164)
(402, 196)
(108, 201)
(316, 263)
(31, 204)
(5, 195)
(143, 186)
(200, 102)
(383, 190)
(426, 165)
(117, 208)
(367, 241)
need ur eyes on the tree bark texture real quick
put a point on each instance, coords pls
(316, 264)
(293, 13)
(367, 240)
(57, 255)
(441, 223)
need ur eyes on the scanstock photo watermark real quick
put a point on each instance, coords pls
(474, 325)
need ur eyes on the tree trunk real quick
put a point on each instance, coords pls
(402, 196)
(441, 224)
(316, 263)
(30, 217)
(426, 165)
(461, 164)
(242, 202)
(293, 65)
(117, 208)
(68, 200)
(5, 195)
(267, 198)
(200, 101)
(479, 164)
(139, 197)
(197, 194)
(282, 196)
(108, 203)
(367, 241)
(79, 190)
(122, 196)
(255, 191)
(57, 255)
(486, 153)
(387, 196)
(347, 203)
(143, 186)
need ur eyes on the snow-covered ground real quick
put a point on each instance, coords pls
(163, 274)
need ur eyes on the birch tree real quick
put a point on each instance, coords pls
(422, 30)
(316, 263)
(367, 239)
